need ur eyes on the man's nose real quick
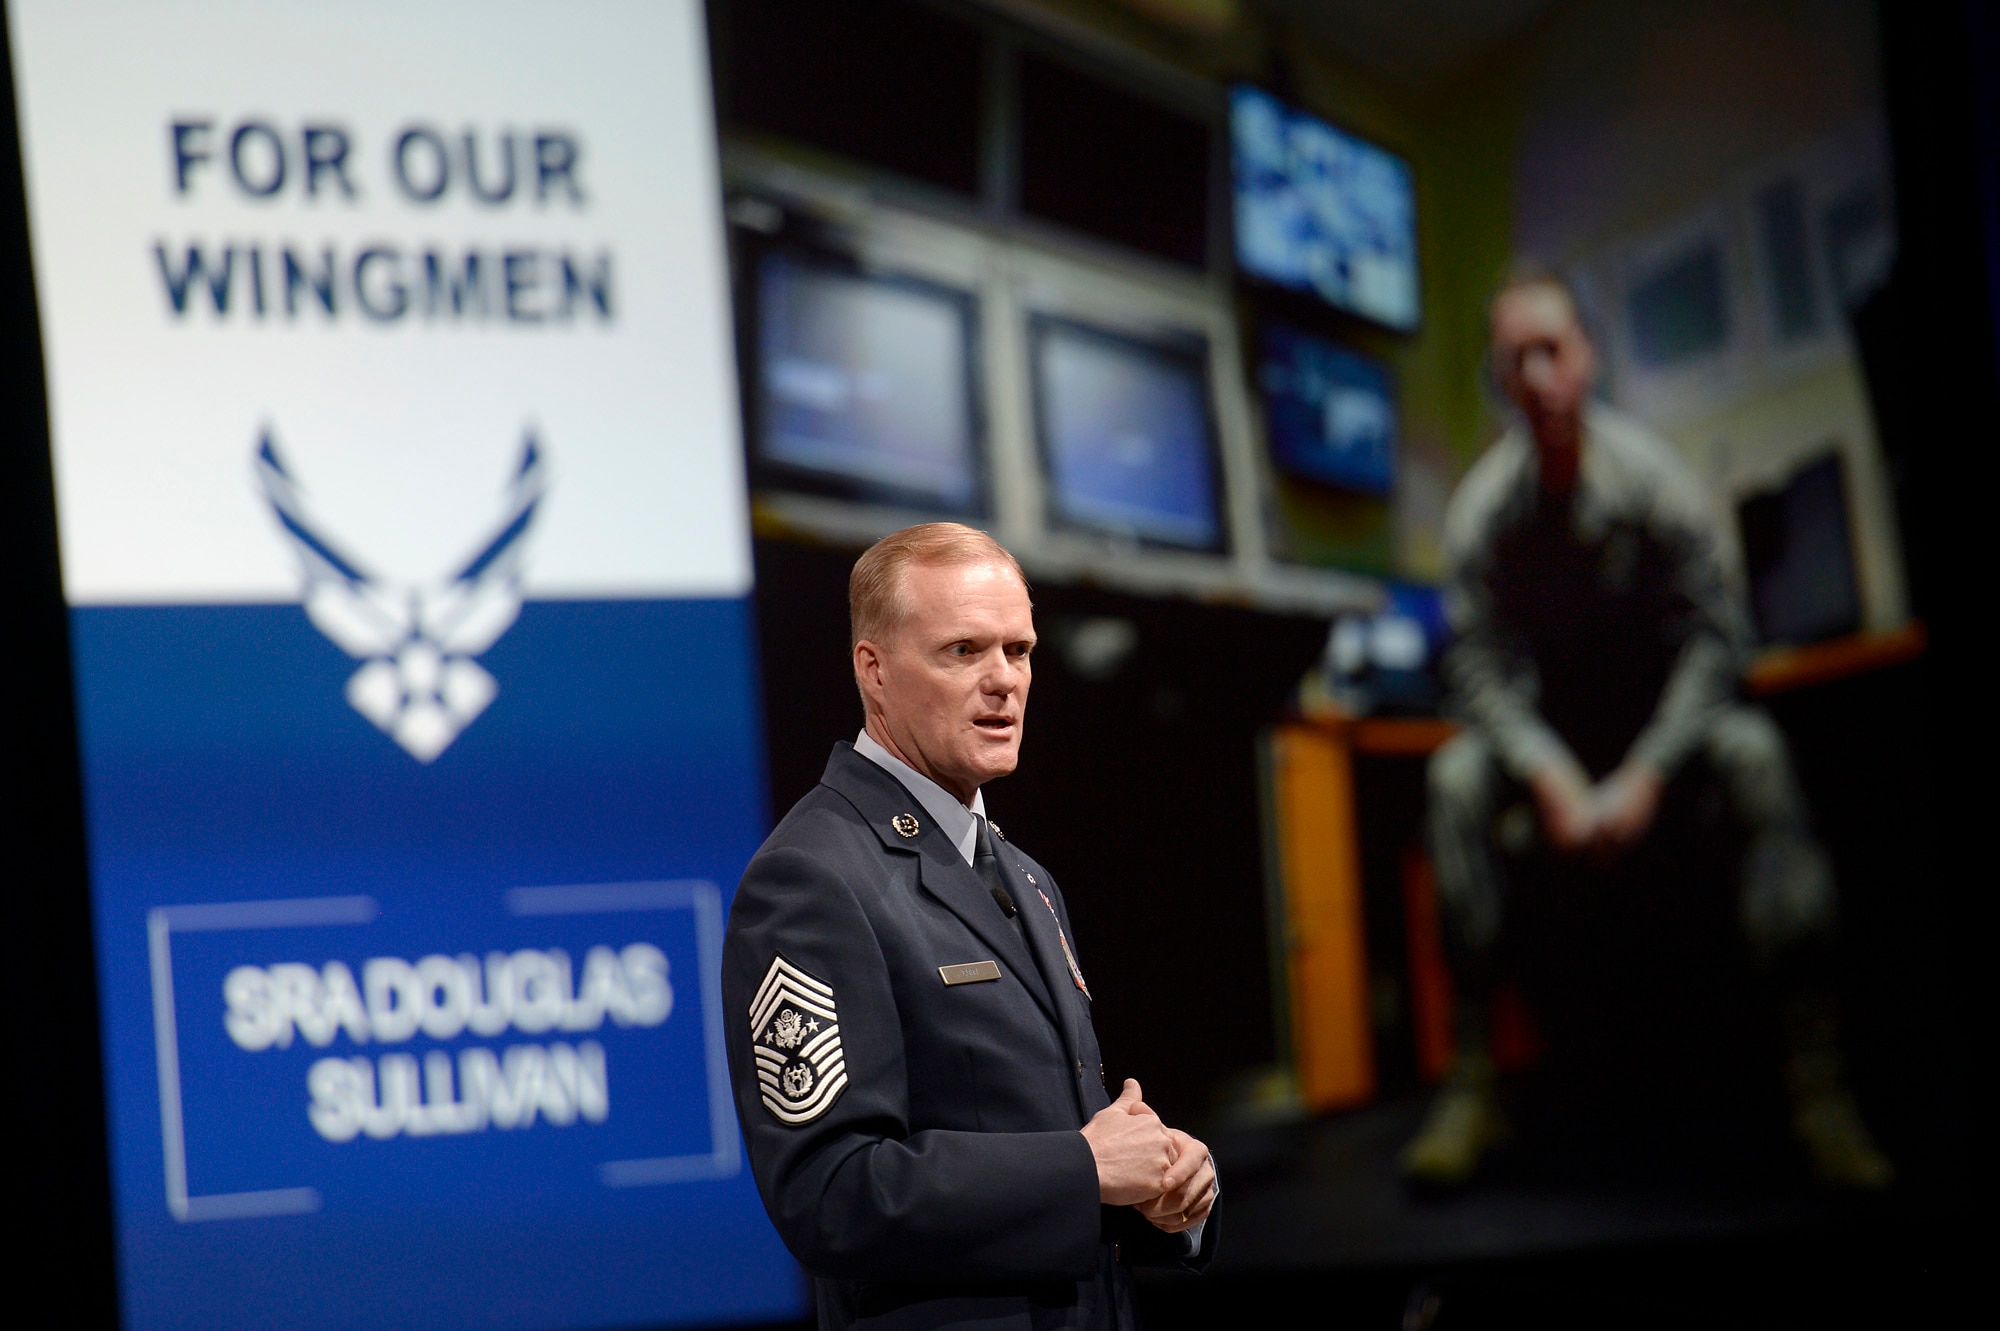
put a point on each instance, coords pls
(1001, 676)
(1538, 372)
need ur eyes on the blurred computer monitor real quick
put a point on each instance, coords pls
(1799, 556)
(865, 387)
(1323, 212)
(1128, 444)
(1330, 413)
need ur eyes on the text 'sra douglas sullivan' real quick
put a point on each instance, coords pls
(531, 991)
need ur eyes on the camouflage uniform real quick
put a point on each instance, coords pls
(1603, 627)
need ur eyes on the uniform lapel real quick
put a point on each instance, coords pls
(879, 798)
(957, 885)
(1040, 917)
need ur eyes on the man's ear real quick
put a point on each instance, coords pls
(868, 669)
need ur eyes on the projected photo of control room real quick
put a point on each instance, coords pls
(534, 530)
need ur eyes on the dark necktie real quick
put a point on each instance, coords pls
(987, 864)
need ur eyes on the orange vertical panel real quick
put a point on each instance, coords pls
(1333, 1046)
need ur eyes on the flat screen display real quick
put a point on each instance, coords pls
(1330, 413)
(1322, 212)
(404, 538)
(865, 386)
(1127, 440)
(1799, 556)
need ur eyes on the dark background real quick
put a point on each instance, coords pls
(1141, 790)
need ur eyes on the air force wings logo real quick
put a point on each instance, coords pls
(418, 681)
(796, 1033)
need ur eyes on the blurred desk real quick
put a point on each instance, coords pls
(1783, 669)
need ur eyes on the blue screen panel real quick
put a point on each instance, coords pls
(1322, 212)
(405, 540)
(1126, 437)
(865, 384)
(518, 1115)
(1330, 412)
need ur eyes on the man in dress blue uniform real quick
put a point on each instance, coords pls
(915, 1070)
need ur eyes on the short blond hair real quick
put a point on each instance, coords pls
(1524, 273)
(1528, 274)
(876, 605)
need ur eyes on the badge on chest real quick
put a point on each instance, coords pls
(1075, 971)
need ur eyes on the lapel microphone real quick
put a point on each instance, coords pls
(1006, 902)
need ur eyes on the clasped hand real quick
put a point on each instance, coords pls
(1602, 820)
(1159, 1171)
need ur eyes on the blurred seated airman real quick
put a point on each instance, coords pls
(1597, 662)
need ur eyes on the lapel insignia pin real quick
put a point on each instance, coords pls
(1075, 972)
(996, 829)
(905, 824)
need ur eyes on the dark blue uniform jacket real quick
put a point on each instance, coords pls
(917, 1143)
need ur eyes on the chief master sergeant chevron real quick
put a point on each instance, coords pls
(910, 1036)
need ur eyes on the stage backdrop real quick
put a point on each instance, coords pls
(404, 531)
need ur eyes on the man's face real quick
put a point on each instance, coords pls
(1544, 361)
(950, 687)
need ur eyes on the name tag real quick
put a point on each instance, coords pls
(970, 972)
